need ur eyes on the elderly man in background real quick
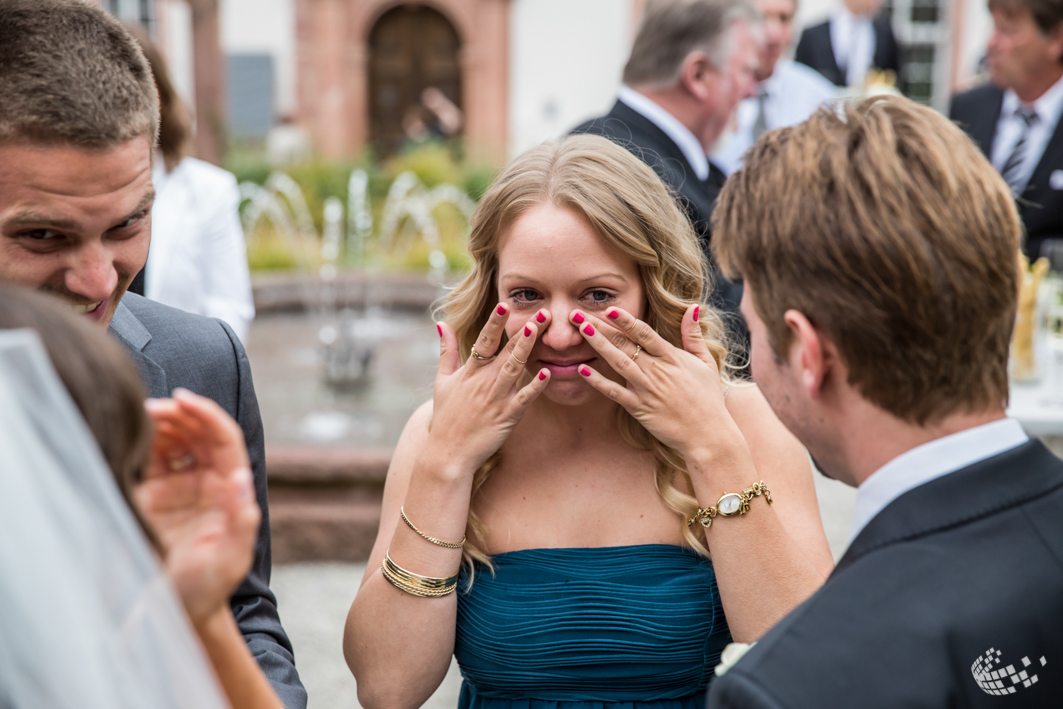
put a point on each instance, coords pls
(79, 121)
(1015, 119)
(691, 63)
(787, 92)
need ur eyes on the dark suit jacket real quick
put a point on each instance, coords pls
(966, 565)
(641, 136)
(1040, 205)
(173, 349)
(815, 50)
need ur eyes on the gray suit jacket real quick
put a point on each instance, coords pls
(174, 349)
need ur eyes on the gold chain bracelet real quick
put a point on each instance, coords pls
(438, 542)
(415, 584)
(731, 503)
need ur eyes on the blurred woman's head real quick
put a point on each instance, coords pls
(583, 223)
(175, 120)
(100, 377)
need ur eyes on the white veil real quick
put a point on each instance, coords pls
(87, 618)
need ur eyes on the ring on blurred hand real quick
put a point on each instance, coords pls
(638, 348)
(477, 355)
(522, 361)
(185, 461)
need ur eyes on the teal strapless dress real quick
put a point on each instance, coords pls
(634, 627)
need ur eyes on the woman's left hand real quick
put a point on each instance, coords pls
(674, 393)
(198, 496)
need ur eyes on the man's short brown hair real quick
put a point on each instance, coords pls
(1047, 14)
(890, 231)
(70, 74)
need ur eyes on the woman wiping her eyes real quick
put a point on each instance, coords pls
(587, 511)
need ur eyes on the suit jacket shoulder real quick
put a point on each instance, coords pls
(977, 112)
(950, 592)
(172, 349)
(814, 50)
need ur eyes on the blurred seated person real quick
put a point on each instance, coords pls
(186, 478)
(787, 93)
(198, 256)
(1015, 118)
(567, 473)
(850, 44)
(434, 119)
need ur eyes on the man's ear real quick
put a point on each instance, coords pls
(695, 74)
(811, 354)
(1055, 43)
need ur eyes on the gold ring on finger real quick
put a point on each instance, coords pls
(182, 463)
(477, 355)
(522, 361)
(638, 348)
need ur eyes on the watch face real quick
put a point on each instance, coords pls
(730, 504)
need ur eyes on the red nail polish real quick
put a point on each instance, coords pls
(585, 371)
(697, 309)
(577, 318)
(439, 329)
(613, 314)
(501, 310)
(589, 330)
(540, 318)
(527, 331)
(542, 376)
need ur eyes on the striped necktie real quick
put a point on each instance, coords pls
(761, 124)
(1013, 172)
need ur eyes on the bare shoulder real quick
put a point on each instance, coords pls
(758, 423)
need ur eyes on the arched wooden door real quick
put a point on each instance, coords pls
(411, 48)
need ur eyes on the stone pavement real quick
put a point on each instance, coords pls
(314, 599)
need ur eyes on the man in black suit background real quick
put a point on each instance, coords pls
(691, 63)
(1015, 118)
(79, 121)
(880, 291)
(851, 43)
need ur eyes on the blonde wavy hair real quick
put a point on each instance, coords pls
(635, 213)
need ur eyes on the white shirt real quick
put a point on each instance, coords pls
(1010, 128)
(198, 258)
(852, 37)
(930, 461)
(793, 93)
(679, 133)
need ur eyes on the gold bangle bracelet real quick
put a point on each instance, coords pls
(731, 503)
(415, 584)
(438, 542)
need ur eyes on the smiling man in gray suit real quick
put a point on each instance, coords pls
(78, 126)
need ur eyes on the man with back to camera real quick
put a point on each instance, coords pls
(852, 42)
(1015, 118)
(881, 297)
(691, 63)
(78, 124)
(787, 92)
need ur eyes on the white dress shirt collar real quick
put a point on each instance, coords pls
(930, 461)
(1047, 107)
(679, 133)
(852, 39)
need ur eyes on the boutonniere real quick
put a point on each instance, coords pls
(730, 655)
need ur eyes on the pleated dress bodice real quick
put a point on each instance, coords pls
(632, 627)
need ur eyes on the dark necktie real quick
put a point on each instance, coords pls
(1012, 171)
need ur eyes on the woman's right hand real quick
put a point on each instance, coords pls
(477, 404)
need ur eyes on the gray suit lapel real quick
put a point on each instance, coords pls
(134, 337)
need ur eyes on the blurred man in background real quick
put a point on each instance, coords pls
(692, 62)
(850, 44)
(787, 92)
(1015, 118)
